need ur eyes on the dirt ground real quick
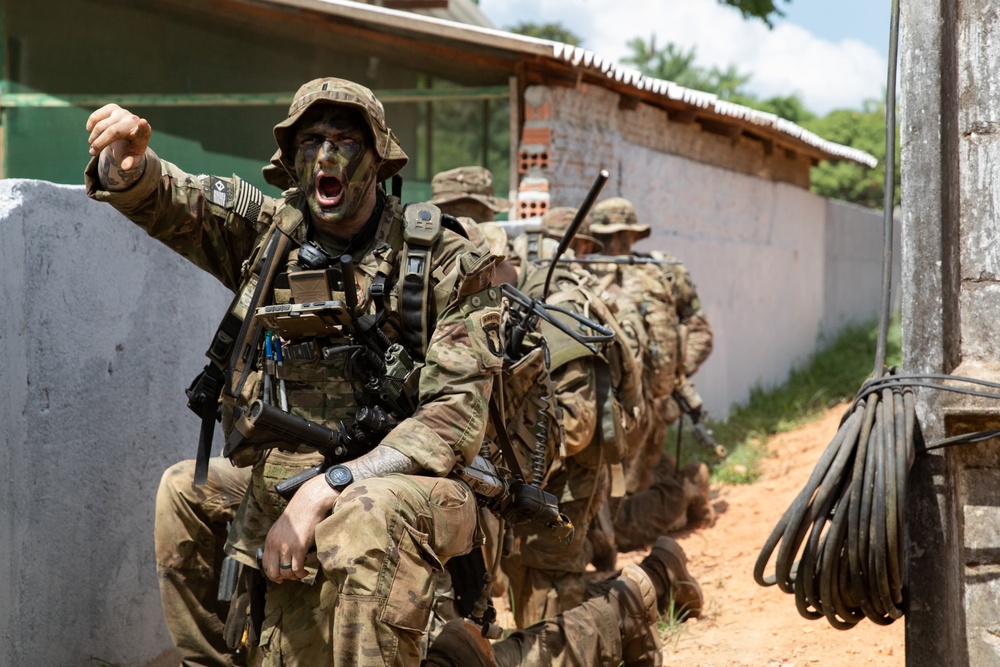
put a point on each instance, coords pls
(745, 624)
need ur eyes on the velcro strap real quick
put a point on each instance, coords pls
(413, 297)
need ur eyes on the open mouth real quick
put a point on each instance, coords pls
(329, 190)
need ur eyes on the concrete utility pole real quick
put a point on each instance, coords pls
(950, 141)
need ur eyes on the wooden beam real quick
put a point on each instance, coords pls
(407, 5)
(241, 100)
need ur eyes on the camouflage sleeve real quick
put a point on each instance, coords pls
(697, 331)
(576, 395)
(213, 222)
(463, 357)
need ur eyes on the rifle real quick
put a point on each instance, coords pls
(616, 259)
(702, 435)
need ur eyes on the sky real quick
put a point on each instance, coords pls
(833, 54)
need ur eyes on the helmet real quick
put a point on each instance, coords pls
(617, 214)
(340, 92)
(467, 183)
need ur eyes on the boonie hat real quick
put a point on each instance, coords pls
(556, 221)
(340, 92)
(275, 173)
(617, 214)
(467, 183)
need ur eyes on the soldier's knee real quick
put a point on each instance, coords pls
(175, 483)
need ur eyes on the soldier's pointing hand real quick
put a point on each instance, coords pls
(126, 134)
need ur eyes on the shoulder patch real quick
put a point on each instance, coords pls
(248, 201)
(219, 190)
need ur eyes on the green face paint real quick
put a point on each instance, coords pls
(336, 167)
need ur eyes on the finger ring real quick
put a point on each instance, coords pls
(284, 566)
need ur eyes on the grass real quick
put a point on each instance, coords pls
(832, 375)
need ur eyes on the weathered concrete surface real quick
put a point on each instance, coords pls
(776, 266)
(101, 330)
(950, 87)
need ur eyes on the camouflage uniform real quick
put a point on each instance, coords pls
(189, 533)
(367, 599)
(596, 395)
(659, 499)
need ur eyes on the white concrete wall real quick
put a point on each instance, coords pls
(101, 330)
(755, 251)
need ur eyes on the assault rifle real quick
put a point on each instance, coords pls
(617, 259)
(702, 435)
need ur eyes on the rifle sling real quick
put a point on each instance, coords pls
(277, 247)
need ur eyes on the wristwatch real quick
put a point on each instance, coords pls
(339, 478)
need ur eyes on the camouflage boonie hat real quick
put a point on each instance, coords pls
(340, 92)
(275, 173)
(617, 215)
(467, 183)
(496, 238)
(557, 220)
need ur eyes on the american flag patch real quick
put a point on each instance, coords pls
(248, 201)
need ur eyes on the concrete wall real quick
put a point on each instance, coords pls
(776, 266)
(950, 90)
(101, 329)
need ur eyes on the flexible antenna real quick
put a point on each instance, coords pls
(574, 226)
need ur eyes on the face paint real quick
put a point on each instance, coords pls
(336, 167)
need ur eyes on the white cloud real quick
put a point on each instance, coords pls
(782, 61)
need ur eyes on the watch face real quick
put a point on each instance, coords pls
(339, 476)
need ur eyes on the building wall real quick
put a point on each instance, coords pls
(776, 266)
(101, 330)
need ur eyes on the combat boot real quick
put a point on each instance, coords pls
(460, 644)
(666, 566)
(635, 595)
(696, 494)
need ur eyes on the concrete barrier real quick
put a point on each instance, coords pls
(101, 330)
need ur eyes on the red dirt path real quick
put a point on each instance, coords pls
(745, 624)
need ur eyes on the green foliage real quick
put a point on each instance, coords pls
(765, 10)
(864, 130)
(672, 63)
(554, 31)
(832, 375)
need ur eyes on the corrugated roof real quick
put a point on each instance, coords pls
(512, 46)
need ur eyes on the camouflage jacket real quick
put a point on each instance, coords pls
(218, 223)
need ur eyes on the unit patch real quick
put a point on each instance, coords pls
(491, 327)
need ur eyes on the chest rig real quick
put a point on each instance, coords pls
(329, 349)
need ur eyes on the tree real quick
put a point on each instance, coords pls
(765, 10)
(551, 31)
(672, 63)
(864, 130)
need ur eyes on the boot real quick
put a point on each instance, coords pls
(666, 566)
(460, 644)
(696, 490)
(635, 594)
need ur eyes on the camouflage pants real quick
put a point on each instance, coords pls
(189, 533)
(588, 635)
(546, 575)
(646, 450)
(381, 552)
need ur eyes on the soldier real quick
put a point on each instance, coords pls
(467, 192)
(363, 600)
(547, 576)
(680, 339)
